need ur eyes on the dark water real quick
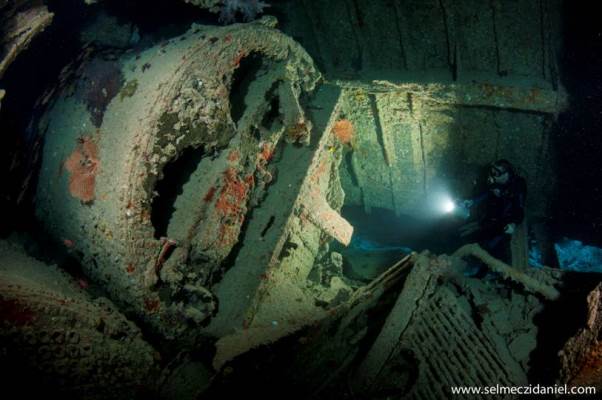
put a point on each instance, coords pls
(381, 238)
(578, 137)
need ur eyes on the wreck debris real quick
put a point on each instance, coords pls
(385, 280)
(54, 330)
(441, 329)
(431, 342)
(345, 318)
(196, 107)
(507, 271)
(272, 268)
(581, 356)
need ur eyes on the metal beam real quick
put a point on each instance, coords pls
(531, 98)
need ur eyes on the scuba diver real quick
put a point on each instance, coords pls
(497, 212)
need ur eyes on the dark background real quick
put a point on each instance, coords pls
(578, 137)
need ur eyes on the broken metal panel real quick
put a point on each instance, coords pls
(431, 329)
(456, 352)
(114, 133)
(444, 330)
(396, 324)
(51, 329)
(339, 338)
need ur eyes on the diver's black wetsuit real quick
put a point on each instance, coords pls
(495, 213)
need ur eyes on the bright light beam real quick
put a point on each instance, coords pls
(448, 206)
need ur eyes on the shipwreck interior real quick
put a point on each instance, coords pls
(202, 198)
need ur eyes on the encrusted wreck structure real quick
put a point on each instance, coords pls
(54, 332)
(198, 184)
(166, 158)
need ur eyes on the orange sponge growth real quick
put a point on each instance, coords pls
(82, 165)
(231, 207)
(233, 194)
(343, 130)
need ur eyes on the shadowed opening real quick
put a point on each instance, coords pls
(175, 175)
(246, 73)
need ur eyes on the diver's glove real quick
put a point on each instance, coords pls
(510, 228)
